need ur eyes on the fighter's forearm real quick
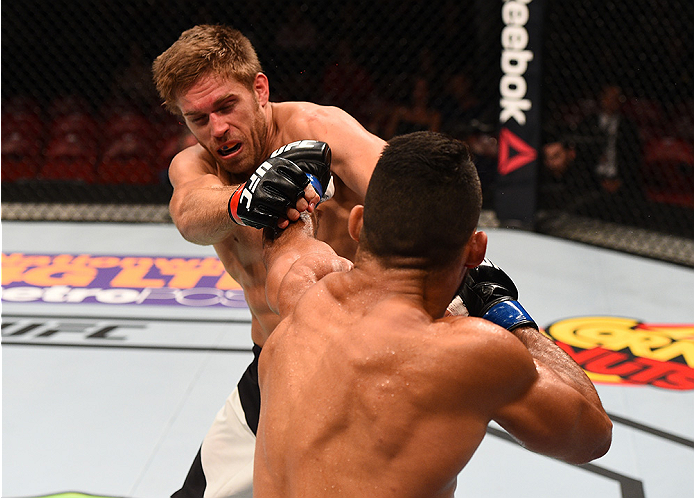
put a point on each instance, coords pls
(201, 215)
(292, 240)
(549, 354)
(295, 259)
(562, 416)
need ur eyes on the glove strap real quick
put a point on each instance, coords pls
(509, 315)
(233, 206)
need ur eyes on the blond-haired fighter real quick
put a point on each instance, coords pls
(211, 77)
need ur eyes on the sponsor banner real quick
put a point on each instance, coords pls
(146, 333)
(118, 280)
(519, 118)
(625, 351)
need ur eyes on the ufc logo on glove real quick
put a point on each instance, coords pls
(300, 144)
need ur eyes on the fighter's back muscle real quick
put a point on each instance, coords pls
(381, 378)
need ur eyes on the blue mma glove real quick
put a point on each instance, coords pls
(489, 293)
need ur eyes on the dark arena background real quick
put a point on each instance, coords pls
(121, 340)
(84, 136)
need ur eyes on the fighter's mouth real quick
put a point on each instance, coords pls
(226, 150)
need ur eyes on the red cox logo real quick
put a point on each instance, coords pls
(617, 350)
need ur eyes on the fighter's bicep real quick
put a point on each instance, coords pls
(188, 173)
(190, 165)
(355, 150)
(544, 416)
(355, 161)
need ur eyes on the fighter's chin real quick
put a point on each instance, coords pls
(236, 164)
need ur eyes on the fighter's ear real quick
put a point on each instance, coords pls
(477, 248)
(355, 222)
(261, 87)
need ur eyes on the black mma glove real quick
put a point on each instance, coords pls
(274, 187)
(489, 293)
(279, 183)
(313, 157)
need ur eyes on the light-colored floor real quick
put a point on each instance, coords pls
(108, 386)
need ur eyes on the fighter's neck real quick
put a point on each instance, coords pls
(274, 138)
(430, 289)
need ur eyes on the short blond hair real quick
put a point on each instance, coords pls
(200, 51)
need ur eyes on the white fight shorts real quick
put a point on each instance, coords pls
(224, 465)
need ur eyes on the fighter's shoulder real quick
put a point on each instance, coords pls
(321, 263)
(482, 342)
(194, 157)
(463, 330)
(307, 117)
(304, 283)
(478, 361)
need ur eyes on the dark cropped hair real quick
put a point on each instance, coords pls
(423, 200)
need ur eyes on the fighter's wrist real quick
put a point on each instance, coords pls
(510, 315)
(233, 205)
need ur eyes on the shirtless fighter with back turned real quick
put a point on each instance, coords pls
(368, 389)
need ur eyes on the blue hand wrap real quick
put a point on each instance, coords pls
(315, 184)
(509, 315)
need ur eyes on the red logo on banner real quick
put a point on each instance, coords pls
(514, 152)
(616, 350)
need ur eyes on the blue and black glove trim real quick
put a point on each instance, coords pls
(489, 293)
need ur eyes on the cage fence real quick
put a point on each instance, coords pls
(84, 135)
